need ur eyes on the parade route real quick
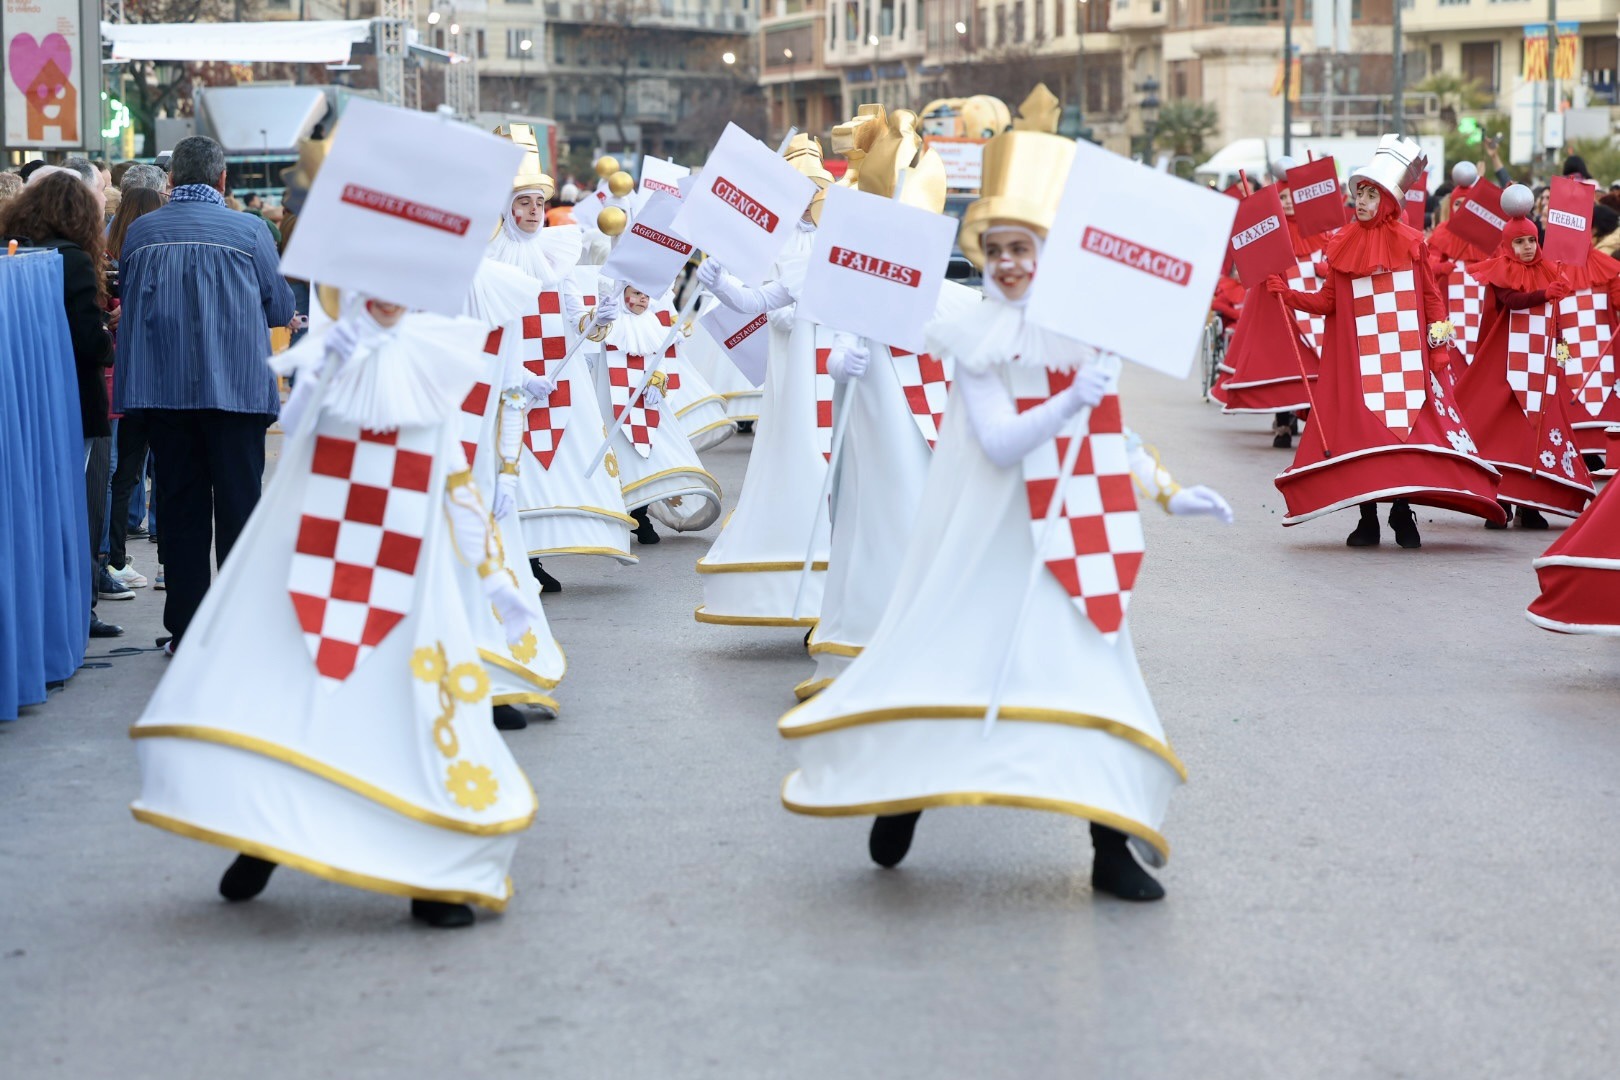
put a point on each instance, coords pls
(1394, 857)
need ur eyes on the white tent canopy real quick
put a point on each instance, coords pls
(237, 43)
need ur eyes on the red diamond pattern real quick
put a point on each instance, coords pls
(625, 372)
(545, 343)
(1304, 278)
(1465, 300)
(1531, 372)
(1389, 339)
(922, 379)
(1586, 322)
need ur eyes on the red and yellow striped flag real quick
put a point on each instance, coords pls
(1535, 53)
(1564, 58)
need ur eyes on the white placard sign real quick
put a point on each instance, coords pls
(876, 268)
(745, 208)
(650, 254)
(745, 338)
(660, 175)
(1131, 261)
(402, 206)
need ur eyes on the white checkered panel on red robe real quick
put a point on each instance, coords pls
(922, 379)
(1465, 302)
(476, 403)
(545, 343)
(1389, 340)
(625, 373)
(1095, 547)
(1584, 320)
(1304, 278)
(365, 513)
(1531, 372)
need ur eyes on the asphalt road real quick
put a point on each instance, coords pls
(1396, 856)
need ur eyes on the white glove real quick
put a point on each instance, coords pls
(709, 273)
(516, 610)
(607, 309)
(343, 337)
(848, 360)
(1200, 500)
(651, 398)
(505, 496)
(539, 387)
(1091, 384)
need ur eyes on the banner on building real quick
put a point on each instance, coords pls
(1564, 52)
(1535, 53)
(46, 99)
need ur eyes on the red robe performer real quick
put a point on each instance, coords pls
(1384, 426)
(1449, 256)
(1588, 317)
(1265, 360)
(1512, 395)
(1580, 573)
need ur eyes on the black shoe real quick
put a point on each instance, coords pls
(137, 533)
(547, 582)
(104, 629)
(1114, 870)
(1365, 534)
(891, 838)
(1531, 519)
(245, 878)
(644, 527)
(442, 916)
(1404, 522)
(509, 718)
(745, 427)
(1594, 462)
(1283, 440)
(1506, 509)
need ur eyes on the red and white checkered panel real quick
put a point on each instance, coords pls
(365, 512)
(1589, 375)
(1390, 340)
(545, 343)
(922, 378)
(825, 385)
(477, 402)
(1095, 548)
(625, 373)
(1465, 302)
(1531, 372)
(1304, 278)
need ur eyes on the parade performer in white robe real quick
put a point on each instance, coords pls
(329, 712)
(563, 512)
(903, 729)
(659, 472)
(751, 574)
(696, 404)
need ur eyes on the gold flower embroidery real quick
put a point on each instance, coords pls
(471, 786)
(427, 663)
(611, 464)
(527, 648)
(468, 682)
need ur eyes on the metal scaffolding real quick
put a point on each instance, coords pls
(394, 20)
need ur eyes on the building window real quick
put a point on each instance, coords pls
(1001, 26)
(514, 44)
(1057, 16)
(1600, 56)
(483, 50)
(1480, 63)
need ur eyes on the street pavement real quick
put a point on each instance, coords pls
(1395, 856)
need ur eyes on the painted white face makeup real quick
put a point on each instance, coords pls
(1009, 259)
(528, 212)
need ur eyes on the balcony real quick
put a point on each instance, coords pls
(666, 14)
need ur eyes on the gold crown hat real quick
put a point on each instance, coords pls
(1025, 170)
(529, 175)
(854, 137)
(804, 154)
(298, 178)
(1395, 167)
(896, 151)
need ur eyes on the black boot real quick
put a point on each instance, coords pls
(1366, 533)
(644, 527)
(547, 582)
(1114, 870)
(1404, 522)
(1507, 509)
(745, 427)
(891, 838)
(509, 718)
(1530, 518)
(1282, 430)
(442, 916)
(245, 878)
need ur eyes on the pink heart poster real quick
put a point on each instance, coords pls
(42, 86)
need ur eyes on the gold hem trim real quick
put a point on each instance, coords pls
(616, 553)
(985, 798)
(743, 393)
(704, 430)
(371, 792)
(319, 869)
(597, 511)
(526, 699)
(1022, 713)
(699, 403)
(684, 470)
(810, 688)
(757, 567)
(834, 648)
(512, 667)
(749, 620)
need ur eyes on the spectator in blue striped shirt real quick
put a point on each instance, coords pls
(201, 287)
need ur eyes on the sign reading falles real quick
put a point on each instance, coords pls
(1131, 260)
(876, 268)
(650, 253)
(745, 205)
(402, 206)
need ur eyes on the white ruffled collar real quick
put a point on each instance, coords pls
(997, 332)
(548, 254)
(638, 335)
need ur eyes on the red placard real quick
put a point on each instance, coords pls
(1260, 243)
(1479, 219)
(1417, 201)
(1318, 199)
(1236, 191)
(1569, 221)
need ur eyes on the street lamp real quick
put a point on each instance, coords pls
(1150, 115)
(433, 18)
(729, 57)
(523, 71)
(877, 77)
